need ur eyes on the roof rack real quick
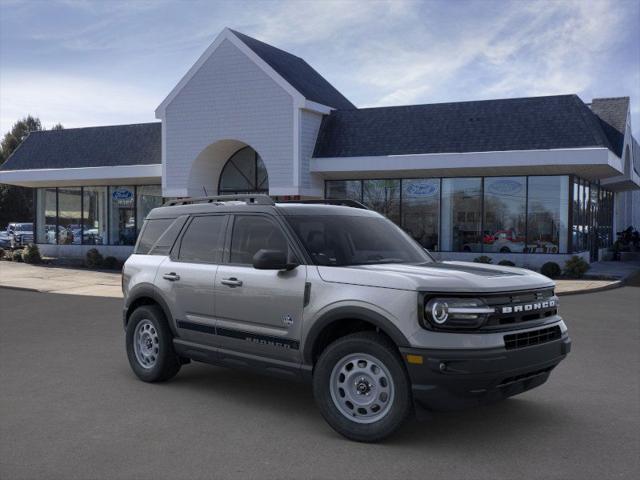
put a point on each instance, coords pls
(343, 202)
(259, 199)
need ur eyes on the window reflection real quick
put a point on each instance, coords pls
(69, 216)
(383, 196)
(46, 215)
(149, 197)
(505, 200)
(344, 189)
(548, 214)
(94, 204)
(421, 210)
(461, 214)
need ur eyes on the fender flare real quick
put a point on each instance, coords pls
(355, 313)
(148, 290)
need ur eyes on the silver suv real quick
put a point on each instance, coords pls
(339, 296)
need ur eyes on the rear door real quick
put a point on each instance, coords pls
(187, 277)
(259, 311)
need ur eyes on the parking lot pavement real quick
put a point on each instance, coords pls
(70, 408)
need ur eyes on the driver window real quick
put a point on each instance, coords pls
(252, 233)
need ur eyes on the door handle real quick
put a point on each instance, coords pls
(231, 282)
(172, 277)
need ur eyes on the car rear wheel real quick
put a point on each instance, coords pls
(150, 346)
(361, 387)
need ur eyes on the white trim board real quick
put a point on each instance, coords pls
(132, 174)
(601, 160)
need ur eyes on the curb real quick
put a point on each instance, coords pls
(611, 286)
(26, 289)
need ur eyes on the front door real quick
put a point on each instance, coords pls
(187, 277)
(258, 311)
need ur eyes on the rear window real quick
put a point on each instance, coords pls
(158, 235)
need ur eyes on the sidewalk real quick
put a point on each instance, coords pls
(72, 281)
(78, 281)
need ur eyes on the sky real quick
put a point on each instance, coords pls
(86, 63)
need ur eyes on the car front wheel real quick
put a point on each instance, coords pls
(361, 387)
(150, 345)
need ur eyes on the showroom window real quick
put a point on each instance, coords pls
(93, 215)
(70, 216)
(516, 214)
(461, 214)
(383, 196)
(505, 214)
(547, 214)
(148, 197)
(421, 210)
(94, 208)
(344, 189)
(122, 217)
(46, 215)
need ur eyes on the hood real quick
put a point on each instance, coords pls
(438, 277)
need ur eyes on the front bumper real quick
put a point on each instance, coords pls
(457, 378)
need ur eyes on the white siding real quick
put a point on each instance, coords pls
(229, 98)
(311, 184)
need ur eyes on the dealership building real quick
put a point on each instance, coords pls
(525, 179)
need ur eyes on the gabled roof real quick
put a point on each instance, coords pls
(137, 144)
(612, 113)
(298, 73)
(292, 73)
(551, 122)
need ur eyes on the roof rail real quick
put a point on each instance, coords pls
(343, 202)
(259, 199)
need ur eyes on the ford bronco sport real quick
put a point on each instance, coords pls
(334, 293)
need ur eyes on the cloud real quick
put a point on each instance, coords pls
(71, 100)
(385, 52)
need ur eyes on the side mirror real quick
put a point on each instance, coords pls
(272, 260)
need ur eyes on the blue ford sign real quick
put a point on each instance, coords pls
(122, 194)
(422, 189)
(505, 187)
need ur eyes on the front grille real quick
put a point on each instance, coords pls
(513, 300)
(533, 337)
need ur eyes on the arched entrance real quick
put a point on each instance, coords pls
(227, 167)
(244, 172)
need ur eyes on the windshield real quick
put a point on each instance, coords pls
(23, 227)
(354, 240)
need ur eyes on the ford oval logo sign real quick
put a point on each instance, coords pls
(505, 187)
(422, 189)
(122, 194)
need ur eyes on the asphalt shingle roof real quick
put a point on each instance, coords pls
(138, 144)
(551, 122)
(298, 73)
(612, 113)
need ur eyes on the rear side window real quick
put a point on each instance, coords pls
(151, 232)
(168, 238)
(203, 240)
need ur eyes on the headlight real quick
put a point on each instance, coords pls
(456, 312)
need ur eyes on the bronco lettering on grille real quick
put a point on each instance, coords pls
(529, 307)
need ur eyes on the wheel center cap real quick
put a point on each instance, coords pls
(363, 387)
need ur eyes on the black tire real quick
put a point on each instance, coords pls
(167, 363)
(380, 347)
